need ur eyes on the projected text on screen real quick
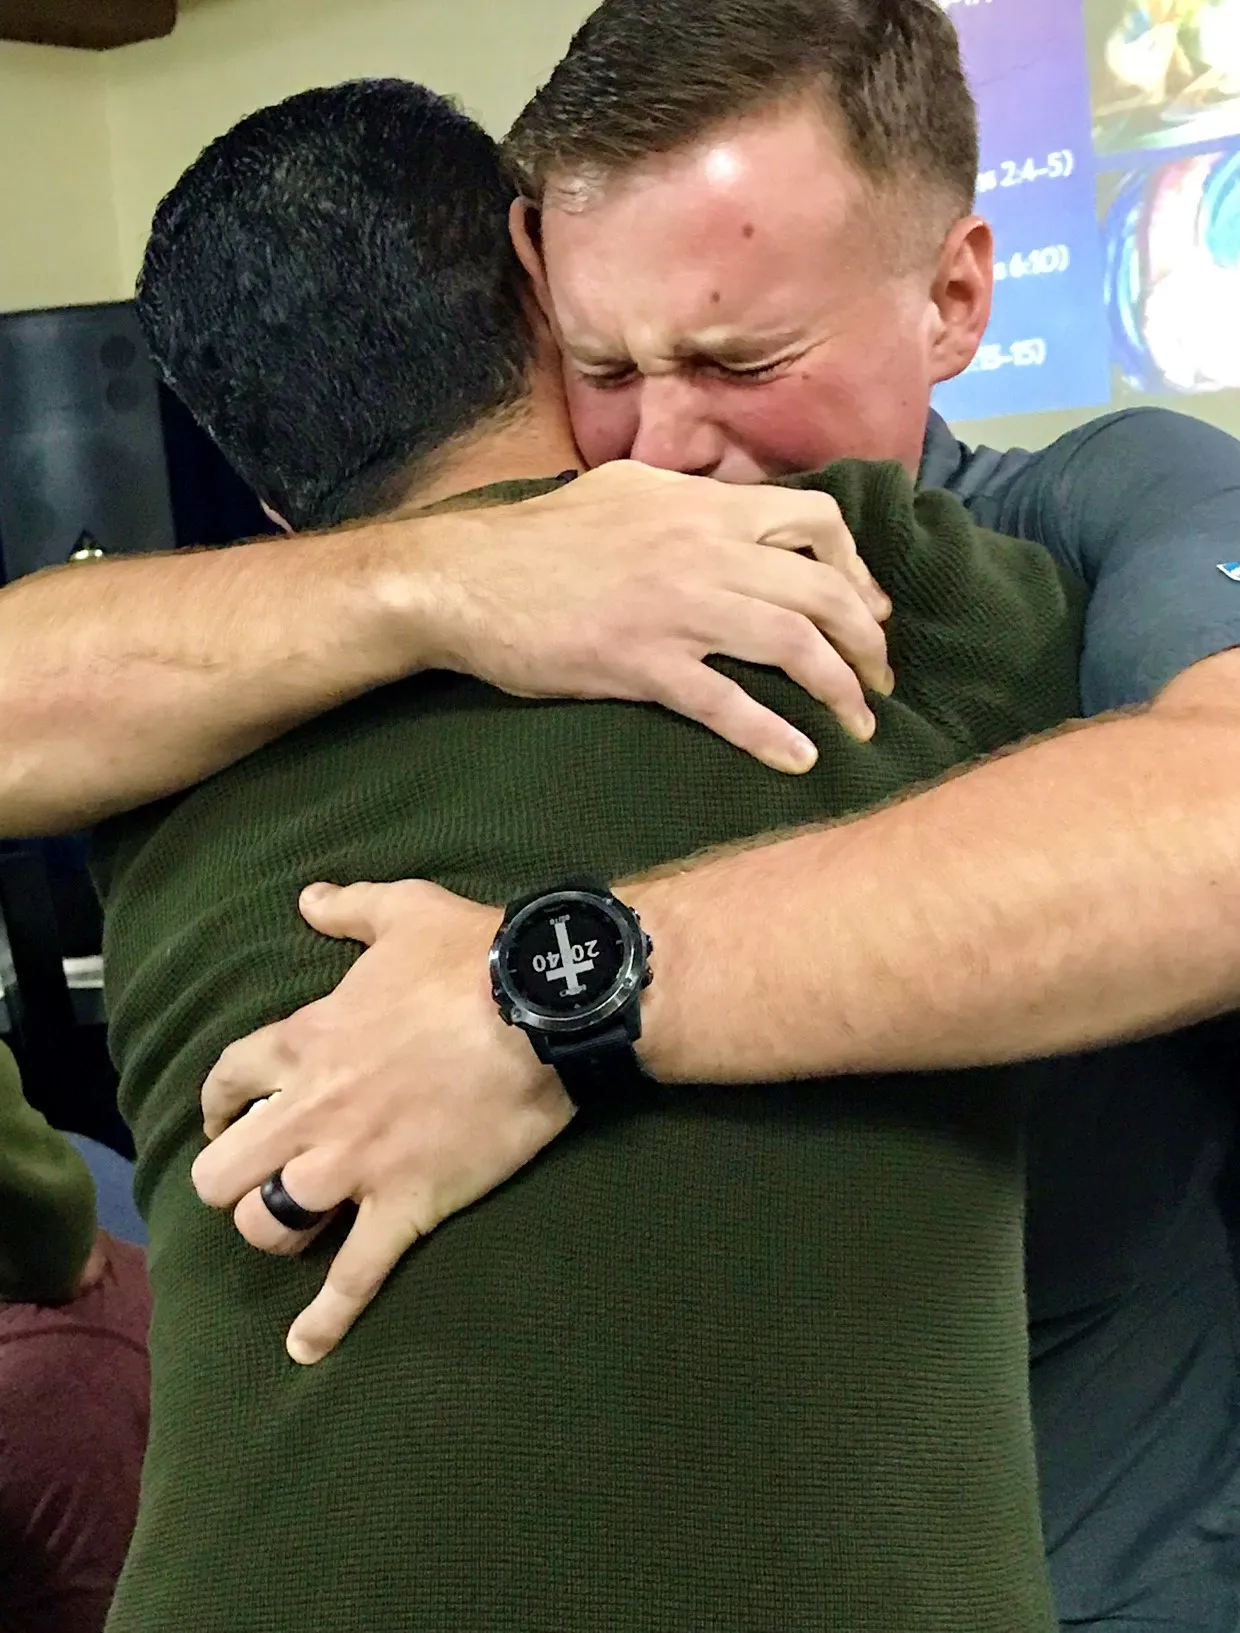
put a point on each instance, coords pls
(1111, 175)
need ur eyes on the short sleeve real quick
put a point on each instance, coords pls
(1145, 506)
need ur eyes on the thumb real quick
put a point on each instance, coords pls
(346, 912)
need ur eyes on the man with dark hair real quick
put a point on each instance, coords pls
(428, 356)
(716, 1359)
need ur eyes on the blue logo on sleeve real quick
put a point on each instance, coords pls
(1230, 569)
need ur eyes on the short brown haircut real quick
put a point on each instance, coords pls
(646, 77)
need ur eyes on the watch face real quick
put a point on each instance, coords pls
(566, 957)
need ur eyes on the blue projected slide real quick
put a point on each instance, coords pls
(1111, 176)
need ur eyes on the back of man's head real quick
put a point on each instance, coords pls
(331, 290)
(648, 77)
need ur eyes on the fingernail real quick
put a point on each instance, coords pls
(300, 1351)
(803, 753)
(863, 726)
(314, 893)
(888, 684)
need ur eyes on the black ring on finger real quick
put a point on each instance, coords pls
(283, 1209)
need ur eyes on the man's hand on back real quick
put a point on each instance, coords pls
(401, 1091)
(621, 583)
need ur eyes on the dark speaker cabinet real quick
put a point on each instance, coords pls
(82, 456)
(94, 450)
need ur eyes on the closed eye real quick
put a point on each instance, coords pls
(764, 371)
(608, 379)
(625, 374)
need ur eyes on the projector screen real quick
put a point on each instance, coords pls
(1111, 175)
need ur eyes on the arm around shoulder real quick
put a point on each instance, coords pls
(1076, 891)
(125, 680)
(131, 678)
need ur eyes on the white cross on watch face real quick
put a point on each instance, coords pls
(570, 965)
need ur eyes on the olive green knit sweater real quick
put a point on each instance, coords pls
(47, 1202)
(727, 1362)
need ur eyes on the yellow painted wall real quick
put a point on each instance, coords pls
(58, 237)
(168, 98)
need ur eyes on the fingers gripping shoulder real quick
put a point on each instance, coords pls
(986, 631)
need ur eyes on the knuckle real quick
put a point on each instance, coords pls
(423, 1217)
(843, 613)
(682, 602)
(301, 1034)
(861, 633)
(713, 714)
(839, 688)
(829, 511)
(293, 1041)
(684, 542)
(625, 475)
(871, 643)
(688, 689)
(251, 1231)
(357, 1283)
(229, 1069)
(839, 609)
(797, 638)
(716, 709)
(209, 1186)
(834, 538)
(336, 1100)
(645, 624)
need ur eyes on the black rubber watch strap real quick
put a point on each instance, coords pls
(595, 1070)
(594, 887)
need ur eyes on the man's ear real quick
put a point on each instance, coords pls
(961, 297)
(524, 221)
(275, 518)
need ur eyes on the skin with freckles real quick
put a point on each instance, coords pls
(750, 306)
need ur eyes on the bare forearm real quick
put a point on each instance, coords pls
(1071, 894)
(127, 679)
(124, 680)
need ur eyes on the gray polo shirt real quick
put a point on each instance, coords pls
(1134, 1311)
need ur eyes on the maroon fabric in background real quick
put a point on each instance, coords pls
(74, 1411)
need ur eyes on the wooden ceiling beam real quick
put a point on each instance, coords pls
(93, 25)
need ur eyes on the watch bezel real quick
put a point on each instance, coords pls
(628, 981)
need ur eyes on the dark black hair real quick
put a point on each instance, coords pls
(332, 292)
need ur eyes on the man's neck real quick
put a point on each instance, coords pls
(536, 442)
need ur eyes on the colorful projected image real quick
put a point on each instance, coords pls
(1172, 247)
(1164, 73)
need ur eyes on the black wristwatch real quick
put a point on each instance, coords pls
(569, 967)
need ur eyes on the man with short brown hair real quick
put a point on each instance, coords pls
(887, 80)
(753, 226)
